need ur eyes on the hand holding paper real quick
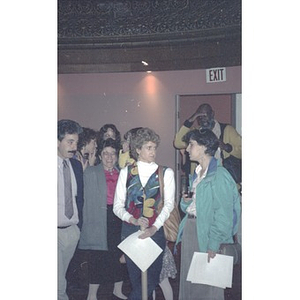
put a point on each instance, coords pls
(143, 252)
(217, 272)
(211, 254)
(148, 232)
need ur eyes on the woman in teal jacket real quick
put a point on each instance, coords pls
(212, 213)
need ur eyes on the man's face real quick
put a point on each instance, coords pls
(205, 118)
(68, 146)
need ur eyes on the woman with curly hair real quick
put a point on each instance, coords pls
(136, 204)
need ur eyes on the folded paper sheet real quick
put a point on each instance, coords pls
(218, 272)
(142, 252)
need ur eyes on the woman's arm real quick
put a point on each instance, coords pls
(120, 197)
(169, 197)
(178, 143)
(124, 158)
(222, 224)
(232, 137)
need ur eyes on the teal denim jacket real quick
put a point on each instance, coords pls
(217, 206)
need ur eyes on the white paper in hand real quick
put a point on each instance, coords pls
(218, 272)
(143, 252)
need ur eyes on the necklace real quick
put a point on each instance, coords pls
(110, 171)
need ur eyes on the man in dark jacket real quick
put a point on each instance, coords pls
(70, 199)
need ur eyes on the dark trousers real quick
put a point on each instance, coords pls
(153, 271)
(104, 266)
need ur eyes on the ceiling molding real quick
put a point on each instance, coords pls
(114, 36)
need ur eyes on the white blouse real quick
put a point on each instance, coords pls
(191, 209)
(145, 171)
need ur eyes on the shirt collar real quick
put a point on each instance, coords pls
(145, 164)
(198, 170)
(61, 160)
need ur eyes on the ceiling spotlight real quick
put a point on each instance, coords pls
(144, 63)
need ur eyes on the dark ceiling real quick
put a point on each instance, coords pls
(116, 36)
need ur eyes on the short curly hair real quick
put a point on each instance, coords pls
(141, 137)
(85, 137)
(129, 135)
(203, 137)
(131, 132)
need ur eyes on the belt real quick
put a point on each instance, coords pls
(63, 227)
(191, 216)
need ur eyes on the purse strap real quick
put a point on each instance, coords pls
(161, 182)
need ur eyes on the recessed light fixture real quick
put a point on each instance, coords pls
(144, 63)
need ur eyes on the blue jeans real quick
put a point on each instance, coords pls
(153, 271)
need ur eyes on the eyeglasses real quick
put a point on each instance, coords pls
(109, 154)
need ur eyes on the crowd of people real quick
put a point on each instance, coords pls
(108, 189)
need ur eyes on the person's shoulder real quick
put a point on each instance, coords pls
(93, 169)
(221, 170)
(168, 170)
(125, 169)
(229, 127)
(223, 174)
(75, 163)
(77, 167)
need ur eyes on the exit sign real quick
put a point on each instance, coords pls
(215, 75)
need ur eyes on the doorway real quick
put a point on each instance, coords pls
(227, 109)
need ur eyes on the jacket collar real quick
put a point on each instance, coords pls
(212, 168)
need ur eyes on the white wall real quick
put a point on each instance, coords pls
(238, 115)
(136, 99)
